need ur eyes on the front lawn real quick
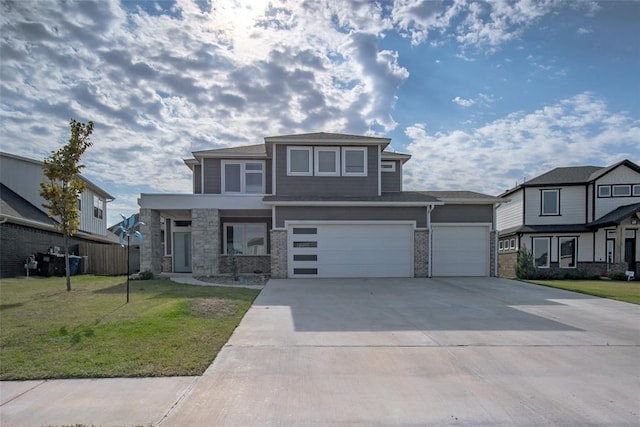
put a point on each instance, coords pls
(166, 329)
(621, 291)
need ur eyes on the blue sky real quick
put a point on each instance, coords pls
(483, 95)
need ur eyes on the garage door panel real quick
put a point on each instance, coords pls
(460, 251)
(358, 250)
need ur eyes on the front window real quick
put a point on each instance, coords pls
(550, 200)
(327, 161)
(299, 161)
(541, 252)
(98, 206)
(354, 161)
(243, 177)
(567, 252)
(604, 191)
(245, 239)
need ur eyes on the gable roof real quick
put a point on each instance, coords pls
(616, 216)
(12, 204)
(572, 175)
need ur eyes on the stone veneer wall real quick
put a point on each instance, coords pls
(247, 264)
(421, 253)
(167, 264)
(492, 254)
(507, 264)
(205, 242)
(279, 266)
(151, 248)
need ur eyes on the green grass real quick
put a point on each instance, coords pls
(166, 329)
(621, 291)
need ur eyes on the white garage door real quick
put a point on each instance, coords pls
(350, 250)
(460, 250)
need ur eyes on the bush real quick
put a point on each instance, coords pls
(525, 268)
(146, 275)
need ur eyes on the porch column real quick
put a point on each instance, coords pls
(619, 251)
(205, 242)
(151, 248)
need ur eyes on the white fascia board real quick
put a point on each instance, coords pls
(461, 201)
(231, 156)
(354, 203)
(202, 201)
(290, 222)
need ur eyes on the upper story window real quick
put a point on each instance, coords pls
(299, 161)
(242, 177)
(621, 190)
(354, 161)
(327, 161)
(388, 166)
(550, 202)
(98, 207)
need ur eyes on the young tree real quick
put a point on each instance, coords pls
(63, 185)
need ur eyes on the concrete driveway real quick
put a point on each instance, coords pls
(461, 351)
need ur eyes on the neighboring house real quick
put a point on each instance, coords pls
(25, 225)
(315, 205)
(583, 217)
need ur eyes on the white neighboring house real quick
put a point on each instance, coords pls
(25, 227)
(574, 218)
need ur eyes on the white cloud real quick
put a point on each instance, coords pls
(576, 131)
(463, 102)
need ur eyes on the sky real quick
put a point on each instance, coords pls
(483, 95)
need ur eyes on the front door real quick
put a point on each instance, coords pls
(182, 252)
(630, 253)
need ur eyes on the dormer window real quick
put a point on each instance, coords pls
(242, 176)
(299, 161)
(354, 161)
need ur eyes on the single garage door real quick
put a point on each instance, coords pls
(350, 250)
(460, 250)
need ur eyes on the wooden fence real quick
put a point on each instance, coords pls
(109, 259)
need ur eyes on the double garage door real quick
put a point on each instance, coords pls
(383, 250)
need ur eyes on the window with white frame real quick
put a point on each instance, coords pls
(621, 190)
(299, 161)
(636, 190)
(541, 251)
(512, 244)
(388, 166)
(550, 202)
(98, 207)
(327, 161)
(245, 239)
(567, 252)
(500, 245)
(242, 177)
(604, 191)
(354, 161)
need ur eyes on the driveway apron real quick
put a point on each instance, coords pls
(422, 352)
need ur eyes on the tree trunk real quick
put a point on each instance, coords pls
(66, 262)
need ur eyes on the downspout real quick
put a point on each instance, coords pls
(495, 239)
(429, 240)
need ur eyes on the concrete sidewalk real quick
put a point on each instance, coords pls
(99, 402)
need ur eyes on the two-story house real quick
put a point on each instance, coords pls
(315, 205)
(26, 228)
(583, 217)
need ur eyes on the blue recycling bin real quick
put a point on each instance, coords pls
(74, 262)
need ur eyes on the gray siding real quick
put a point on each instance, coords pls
(197, 179)
(212, 177)
(392, 181)
(351, 213)
(326, 185)
(462, 213)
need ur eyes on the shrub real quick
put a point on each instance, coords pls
(146, 275)
(525, 268)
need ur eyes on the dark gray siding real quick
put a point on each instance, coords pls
(197, 180)
(212, 177)
(392, 181)
(351, 213)
(267, 176)
(462, 213)
(326, 185)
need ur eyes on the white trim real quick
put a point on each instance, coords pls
(299, 148)
(316, 161)
(462, 224)
(364, 151)
(291, 222)
(379, 171)
(350, 203)
(202, 178)
(273, 172)
(187, 202)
